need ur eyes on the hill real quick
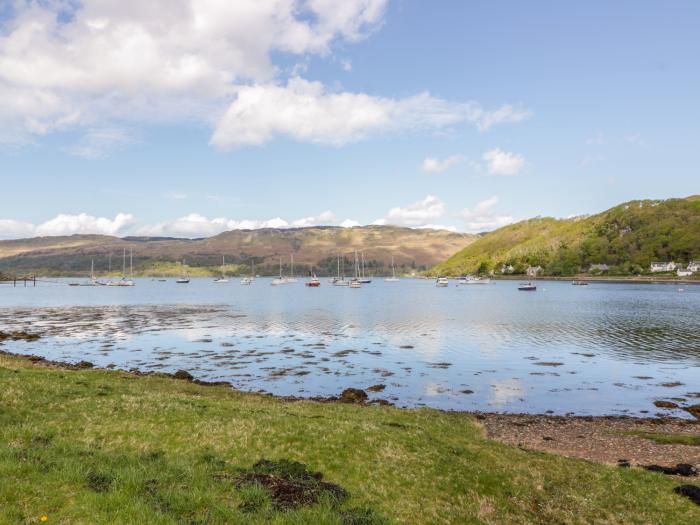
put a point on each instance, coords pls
(412, 249)
(627, 238)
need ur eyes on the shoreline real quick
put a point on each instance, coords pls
(625, 440)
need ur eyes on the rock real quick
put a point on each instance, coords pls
(84, 364)
(467, 391)
(681, 469)
(353, 395)
(691, 492)
(624, 463)
(665, 404)
(184, 375)
(693, 410)
(376, 388)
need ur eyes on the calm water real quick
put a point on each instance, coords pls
(599, 349)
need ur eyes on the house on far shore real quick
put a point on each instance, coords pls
(663, 267)
(681, 272)
(507, 268)
(694, 266)
(532, 271)
(598, 267)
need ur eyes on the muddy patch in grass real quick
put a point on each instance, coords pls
(290, 484)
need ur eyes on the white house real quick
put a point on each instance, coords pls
(598, 266)
(663, 266)
(532, 271)
(694, 266)
(507, 268)
(680, 272)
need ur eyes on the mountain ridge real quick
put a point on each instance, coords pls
(318, 246)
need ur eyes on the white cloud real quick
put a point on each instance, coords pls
(66, 224)
(432, 165)
(483, 218)
(196, 225)
(307, 111)
(98, 143)
(502, 162)
(70, 64)
(419, 213)
(102, 65)
(349, 223)
(485, 120)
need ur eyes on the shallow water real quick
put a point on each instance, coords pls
(598, 349)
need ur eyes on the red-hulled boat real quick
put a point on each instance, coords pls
(314, 282)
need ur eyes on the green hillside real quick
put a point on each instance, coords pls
(627, 238)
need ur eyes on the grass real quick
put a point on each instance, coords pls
(668, 438)
(94, 446)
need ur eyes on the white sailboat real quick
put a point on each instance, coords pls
(470, 279)
(280, 280)
(362, 278)
(393, 277)
(292, 279)
(339, 280)
(356, 283)
(92, 281)
(124, 281)
(223, 278)
(247, 281)
(184, 278)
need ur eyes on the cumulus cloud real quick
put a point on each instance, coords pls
(432, 165)
(65, 64)
(419, 213)
(307, 111)
(501, 162)
(196, 225)
(97, 66)
(483, 218)
(66, 224)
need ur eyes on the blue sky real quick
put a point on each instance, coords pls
(467, 115)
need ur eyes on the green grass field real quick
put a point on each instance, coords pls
(107, 447)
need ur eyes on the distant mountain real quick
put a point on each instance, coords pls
(627, 238)
(412, 249)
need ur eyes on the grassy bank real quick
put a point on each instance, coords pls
(93, 446)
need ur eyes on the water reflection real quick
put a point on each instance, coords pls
(595, 349)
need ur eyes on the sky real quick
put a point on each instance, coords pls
(191, 117)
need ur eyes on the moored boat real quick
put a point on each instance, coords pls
(527, 287)
(314, 282)
(442, 282)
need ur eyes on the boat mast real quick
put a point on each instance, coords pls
(124, 264)
(292, 265)
(131, 263)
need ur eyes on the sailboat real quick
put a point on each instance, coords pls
(124, 281)
(355, 283)
(362, 278)
(339, 280)
(393, 277)
(184, 278)
(314, 282)
(93, 280)
(247, 281)
(280, 279)
(223, 278)
(292, 279)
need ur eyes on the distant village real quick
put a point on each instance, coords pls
(600, 268)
